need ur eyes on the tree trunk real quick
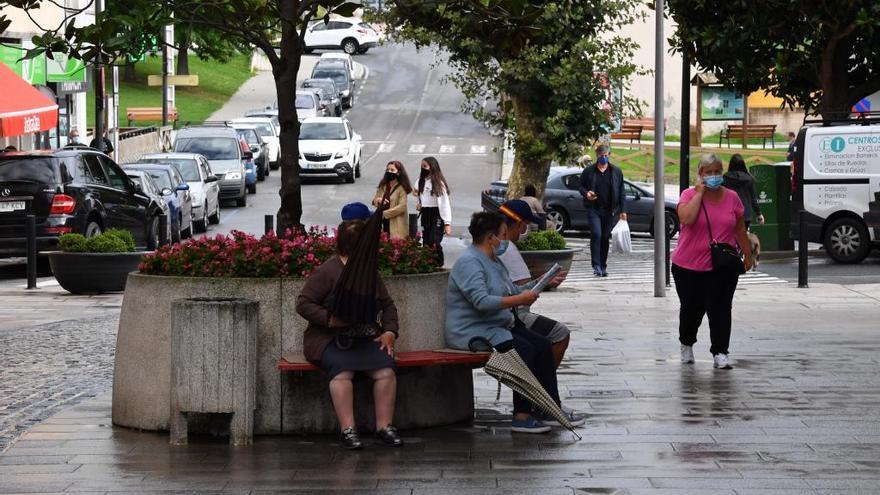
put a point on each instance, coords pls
(128, 73)
(526, 169)
(836, 99)
(183, 60)
(290, 212)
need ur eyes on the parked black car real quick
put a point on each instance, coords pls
(157, 201)
(73, 190)
(565, 206)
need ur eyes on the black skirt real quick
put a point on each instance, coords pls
(363, 355)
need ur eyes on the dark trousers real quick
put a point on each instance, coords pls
(537, 353)
(600, 236)
(702, 293)
(432, 230)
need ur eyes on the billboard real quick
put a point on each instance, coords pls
(719, 103)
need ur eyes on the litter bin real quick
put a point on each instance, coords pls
(773, 186)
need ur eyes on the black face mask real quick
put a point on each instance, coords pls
(426, 172)
(390, 176)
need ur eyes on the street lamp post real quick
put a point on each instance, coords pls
(659, 138)
(99, 83)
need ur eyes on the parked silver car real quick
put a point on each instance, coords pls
(203, 184)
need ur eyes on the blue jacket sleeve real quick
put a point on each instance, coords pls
(471, 280)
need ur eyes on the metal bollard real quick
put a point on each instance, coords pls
(802, 251)
(413, 225)
(31, 226)
(163, 229)
(268, 223)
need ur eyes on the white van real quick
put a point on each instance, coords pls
(837, 184)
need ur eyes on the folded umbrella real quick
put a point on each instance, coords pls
(509, 368)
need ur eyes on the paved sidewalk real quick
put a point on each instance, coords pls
(798, 414)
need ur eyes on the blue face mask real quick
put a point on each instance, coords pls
(602, 160)
(713, 181)
(502, 248)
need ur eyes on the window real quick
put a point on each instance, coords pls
(629, 190)
(337, 75)
(319, 26)
(339, 25)
(40, 170)
(572, 181)
(116, 176)
(206, 170)
(211, 148)
(322, 130)
(186, 166)
(96, 173)
(161, 177)
(305, 101)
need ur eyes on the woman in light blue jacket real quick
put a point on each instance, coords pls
(480, 300)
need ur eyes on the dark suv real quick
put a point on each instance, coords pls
(73, 190)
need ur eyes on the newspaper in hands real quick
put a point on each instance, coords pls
(546, 278)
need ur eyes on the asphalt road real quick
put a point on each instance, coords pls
(404, 111)
(821, 269)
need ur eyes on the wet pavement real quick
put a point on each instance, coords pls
(798, 414)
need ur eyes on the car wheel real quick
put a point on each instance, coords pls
(362, 51)
(202, 225)
(252, 189)
(176, 233)
(267, 170)
(214, 218)
(672, 224)
(847, 241)
(261, 174)
(350, 46)
(357, 171)
(188, 231)
(242, 201)
(274, 165)
(349, 179)
(559, 217)
(339, 110)
(93, 228)
(153, 235)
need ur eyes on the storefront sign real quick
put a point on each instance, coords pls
(32, 70)
(62, 68)
(718, 103)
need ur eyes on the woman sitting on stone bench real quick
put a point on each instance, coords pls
(340, 357)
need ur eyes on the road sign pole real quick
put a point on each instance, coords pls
(659, 137)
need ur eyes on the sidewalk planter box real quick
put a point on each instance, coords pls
(93, 273)
(541, 261)
(285, 402)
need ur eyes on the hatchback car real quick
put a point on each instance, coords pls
(148, 186)
(176, 193)
(565, 205)
(329, 95)
(222, 147)
(339, 57)
(257, 146)
(350, 35)
(329, 148)
(269, 129)
(308, 104)
(203, 185)
(69, 191)
(341, 76)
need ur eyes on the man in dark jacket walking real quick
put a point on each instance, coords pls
(604, 198)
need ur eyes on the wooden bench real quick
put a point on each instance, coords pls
(407, 359)
(645, 124)
(629, 132)
(150, 114)
(745, 131)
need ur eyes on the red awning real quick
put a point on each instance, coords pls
(23, 109)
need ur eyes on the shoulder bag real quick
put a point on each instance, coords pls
(725, 258)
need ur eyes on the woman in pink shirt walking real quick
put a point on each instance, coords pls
(702, 290)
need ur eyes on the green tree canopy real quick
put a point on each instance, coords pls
(819, 54)
(546, 63)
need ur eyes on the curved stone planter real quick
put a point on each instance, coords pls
(541, 261)
(93, 273)
(286, 402)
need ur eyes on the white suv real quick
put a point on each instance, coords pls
(329, 148)
(350, 35)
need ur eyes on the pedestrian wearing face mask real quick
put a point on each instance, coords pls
(602, 189)
(708, 213)
(393, 190)
(434, 206)
(518, 215)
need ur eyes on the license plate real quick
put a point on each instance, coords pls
(7, 206)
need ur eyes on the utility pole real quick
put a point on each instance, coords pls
(685, 149)
(659, 138)
(99, 83)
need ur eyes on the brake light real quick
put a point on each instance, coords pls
(62, 204)
(59, 230)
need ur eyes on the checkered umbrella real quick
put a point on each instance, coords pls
(509, 369)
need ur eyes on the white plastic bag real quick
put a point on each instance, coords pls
(621, 242)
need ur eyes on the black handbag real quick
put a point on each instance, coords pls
(725, 258)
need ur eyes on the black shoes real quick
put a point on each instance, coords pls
(351, 440)
(390, 437)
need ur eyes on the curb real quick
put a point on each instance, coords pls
(785, 255)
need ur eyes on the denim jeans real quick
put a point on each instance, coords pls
(600, 236)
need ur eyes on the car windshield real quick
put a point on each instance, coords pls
(338, 76)
(40, 170)
(305, 101)
(265, 130)
(211, 148)
(322, 130)
(189, 169)
(160, 177)
(249, 136)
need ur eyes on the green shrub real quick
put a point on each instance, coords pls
(542, 240)
(123, 235)
(72, 243)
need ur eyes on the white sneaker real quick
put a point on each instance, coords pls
(722, 362)
(687, 354)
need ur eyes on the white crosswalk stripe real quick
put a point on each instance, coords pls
(417, 148)
(447, 148)
(478, 149)
(386, 147)
(637, 268)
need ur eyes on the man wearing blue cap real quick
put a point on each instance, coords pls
(355, 211)
(518, 215)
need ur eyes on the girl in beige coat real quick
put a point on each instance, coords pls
(395, 185)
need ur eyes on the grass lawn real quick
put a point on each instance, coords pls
(217, 83)
(641, 168)
(780, 139)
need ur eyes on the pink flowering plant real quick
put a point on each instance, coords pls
(294, 254)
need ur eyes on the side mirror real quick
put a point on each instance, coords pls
(166, 191)
(357, 136)
(211, 178)
(183, 187)
(137, 188)
(247, 155)
(637, 197)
